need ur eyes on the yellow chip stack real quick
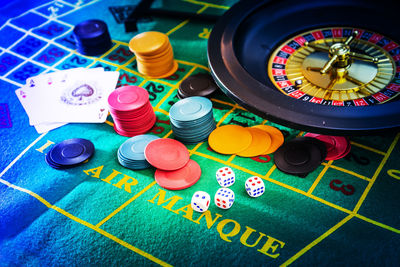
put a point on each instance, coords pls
(154, 54)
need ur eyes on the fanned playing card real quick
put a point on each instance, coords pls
(77, 95)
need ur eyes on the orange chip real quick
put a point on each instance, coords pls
(261, 141)
(149, 43)
(277, 138)
(229, 139)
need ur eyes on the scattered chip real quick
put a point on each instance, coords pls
(69, 153)
(229, 139)
(92, 37)
(200, 84)
(300, 156)
(166, 154)
(179, 179)
(337, 146)
(261, 141)
(277, 138)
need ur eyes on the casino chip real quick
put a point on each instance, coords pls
(131, 110)
(69, 153)
(260, 142)
(300, 156)
(179, 179)
(229, 139)
(200, 84)
(277, 138)
(337, 146)
(131, 153)
(92, 37)
(166, 154)
(192, 119)
(154, 54)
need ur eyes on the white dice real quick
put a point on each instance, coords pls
(255, 186)
(225, 176)
(224, 198)
(200, 201)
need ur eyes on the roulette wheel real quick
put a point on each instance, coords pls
(331, 67)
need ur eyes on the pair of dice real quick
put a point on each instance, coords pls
(223, 198)
(254, 185)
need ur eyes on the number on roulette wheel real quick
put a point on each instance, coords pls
(331, 67)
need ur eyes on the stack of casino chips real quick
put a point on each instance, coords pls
(131, 152)
(92, 37)
(69, 153)
(154, 54)
(192, 119)
(131, 110)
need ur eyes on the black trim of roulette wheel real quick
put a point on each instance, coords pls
(242, 40)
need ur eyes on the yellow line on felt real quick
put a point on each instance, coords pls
(87, 224)
(270, 171)
(387, 227)
(231, 158)
(321, 174)
(349, 172)
(129, 61)
(133, 72)
(125, 204)
(120, 42)
(192, 64)
(161, 111)
(177, 27)
(378, 170)
(201, 9)
(227, 103)
(318, 240)
(206, 4)
(174, 88)
(109, 123)
(143, 82)
(168, 134)
(195, 148)
(225, 116)
(22, 153)
(368, 148)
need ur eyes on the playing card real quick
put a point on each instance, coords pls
(53, 78)
(82, 97)
(30, 102)
(45, 127)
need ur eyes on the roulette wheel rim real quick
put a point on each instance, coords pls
(237, 76)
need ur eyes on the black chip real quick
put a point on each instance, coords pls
(300, 156)
(92, 37)
(201, 84)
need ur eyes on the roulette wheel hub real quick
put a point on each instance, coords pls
(297, 65)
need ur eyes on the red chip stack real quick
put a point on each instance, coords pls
(131, 110)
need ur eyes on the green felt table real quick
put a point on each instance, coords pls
(101, 213)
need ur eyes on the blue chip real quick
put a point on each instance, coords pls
(92, 37)
(70, 153)
(191, 108)
(134, 147)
